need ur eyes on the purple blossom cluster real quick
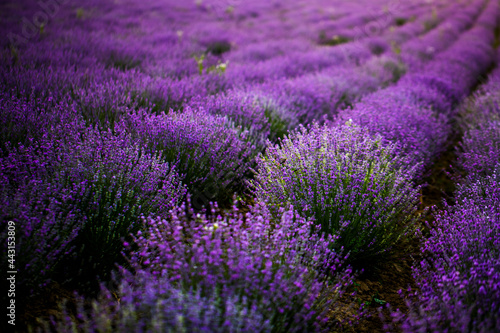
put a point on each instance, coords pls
(234, 273)
(150, 303)
(262, 115)
(459, 281)
(481, 149)
(478, 153)
(30, 117)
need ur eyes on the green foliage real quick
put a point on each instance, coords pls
(199, 61)
(80, 12)
(400, 21)
(220, 68)
(396, 48)
(332, 41)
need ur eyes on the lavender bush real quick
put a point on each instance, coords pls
(417, 129)
(211, 155)
(84, 194)
(45, 226)
(151, 304)
(353, 186)
(264, 116)
(478, 153)
(122, 183)
(27, 118)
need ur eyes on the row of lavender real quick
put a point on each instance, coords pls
(460, 284)
(460, 279)
(85, 154)
(426, 98)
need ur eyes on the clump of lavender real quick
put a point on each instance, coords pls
(84, 194)
(212, 156)
(122, 183)
(460, 280)
(470, 227)
(322, 94)
(105, 97)
(353, 186)
(479, 151)
(34, 208)
(234, 273)
(281, 268)
(161, 94)
(483, 106)
(421, 132)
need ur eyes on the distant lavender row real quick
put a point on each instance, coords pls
(441, 37)
(270, 109)
(417, 111)
(313, 96)
(170, 92)
(295, 62)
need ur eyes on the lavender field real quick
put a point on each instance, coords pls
(250, 166)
